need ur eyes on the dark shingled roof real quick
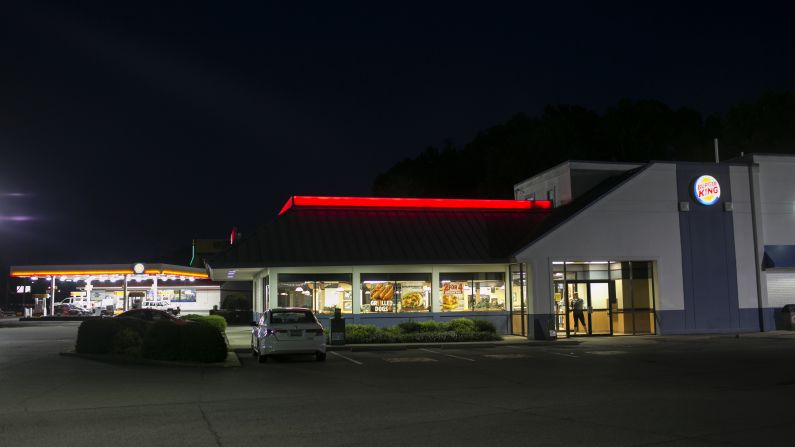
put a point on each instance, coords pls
(314, 237)
(361, 236)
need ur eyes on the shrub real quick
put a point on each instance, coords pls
(434, 326)
(134, 324)
(422, 337)
(462, 326)
(485, 326)
(377, 337)
(409, 327)
(126, 341)
(391, 331)
(201, 343)
(444, 337)
(215, 321)
(461, 329)
(96, 336)
(360, 331)
(162, 342)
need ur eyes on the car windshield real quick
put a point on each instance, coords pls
(292, 316)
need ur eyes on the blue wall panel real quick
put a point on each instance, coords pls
(708, 257)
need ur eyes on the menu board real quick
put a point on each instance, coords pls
(453, 297)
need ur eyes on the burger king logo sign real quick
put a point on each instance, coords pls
(706, 190)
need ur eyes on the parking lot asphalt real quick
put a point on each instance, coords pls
(630, 391)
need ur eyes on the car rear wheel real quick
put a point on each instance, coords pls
(262, 358)
(320, 356)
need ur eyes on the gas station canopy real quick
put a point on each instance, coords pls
(108, 272)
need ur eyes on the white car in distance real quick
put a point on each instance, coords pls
(288, 331)
(161, 305)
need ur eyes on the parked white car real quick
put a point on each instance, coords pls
(288, 331)
(161, 305)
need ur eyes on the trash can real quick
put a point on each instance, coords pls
(788, 317)
(553, 333)
(337, 334)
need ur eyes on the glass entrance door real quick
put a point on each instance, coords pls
(599, 309)
(586, 307)
(519, 311)
(579, 323)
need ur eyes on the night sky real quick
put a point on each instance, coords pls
(127, 131)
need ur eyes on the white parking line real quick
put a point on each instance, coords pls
(448, 355)
(345, 357)
(565, 355)
(409, 359)
(606, 352)
(506, 356)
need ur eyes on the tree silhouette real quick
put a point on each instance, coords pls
(632, 131)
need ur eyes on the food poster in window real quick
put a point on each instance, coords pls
(187, 296)
(381, 296)
(167, 295)
(344, 292)
(453, 297)
(412, 296)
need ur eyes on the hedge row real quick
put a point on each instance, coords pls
(217, 321)
(462, 329)
(161, 340)
(459, 326)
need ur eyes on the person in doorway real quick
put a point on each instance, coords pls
(577, 305)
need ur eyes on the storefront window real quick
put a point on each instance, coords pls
(396, 292)
(320, 292)
(177, 295)
(467, 292)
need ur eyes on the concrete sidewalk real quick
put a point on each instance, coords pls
(239, 338)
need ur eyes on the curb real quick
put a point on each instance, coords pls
(232, 361)
(449, 345)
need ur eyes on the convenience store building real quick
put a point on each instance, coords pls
(123, 286)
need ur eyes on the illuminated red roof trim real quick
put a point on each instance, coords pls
(414, 203)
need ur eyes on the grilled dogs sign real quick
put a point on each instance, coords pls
(706, 190)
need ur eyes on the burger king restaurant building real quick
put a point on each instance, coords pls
(585, 249)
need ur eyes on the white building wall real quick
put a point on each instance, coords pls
(205, 300)
(744, 237)
(777, 196)
(256, 291)
(637, 221)
(557, 180)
